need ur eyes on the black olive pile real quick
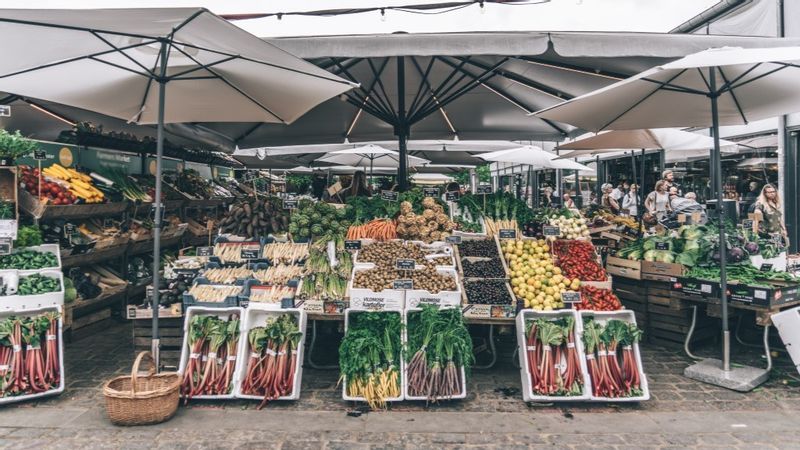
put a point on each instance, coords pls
(486, 248)
(488, 268)
(487, 292)
(387, 253)
(382, 277)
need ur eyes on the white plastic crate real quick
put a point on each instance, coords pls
(255, 316)
(417, 297)
(626, 316)
(463, 373)
(222, 313)
(361, 298)
(28, 302)
(402, 374)
(60, 388)
(788, 325)
(44, 248)
(527, 389)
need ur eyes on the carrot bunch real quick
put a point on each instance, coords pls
(378, 229)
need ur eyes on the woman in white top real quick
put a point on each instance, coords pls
(657, 202)
(630, 201)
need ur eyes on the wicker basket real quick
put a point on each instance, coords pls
(136, 400)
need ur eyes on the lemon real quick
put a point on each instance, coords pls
(557, 270)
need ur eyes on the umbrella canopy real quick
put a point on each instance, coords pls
(119, 62)
(533, 156)
(106, 61)
(431, 178)
(724, 86)
(669, 139)
(368, 156)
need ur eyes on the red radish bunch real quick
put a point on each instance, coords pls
(553, 360)
(577, 259)
(273, 359)
(596, 299)
(212, 356)
(605, 346)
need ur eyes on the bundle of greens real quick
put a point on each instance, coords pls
(323, 282)
(369, 356)
(553, 360)
(212, 356)
(500, 206)
(605, 346)
(273, 358)
(441, 345)
(741, 273)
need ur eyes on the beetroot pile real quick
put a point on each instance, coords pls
(272, 360)
(610, 358)
(29, 358)
(553, 360)
(212, 356)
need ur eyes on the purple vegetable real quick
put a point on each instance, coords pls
(752, 248)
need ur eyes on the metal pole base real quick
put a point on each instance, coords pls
(742, 379)
(155, 350)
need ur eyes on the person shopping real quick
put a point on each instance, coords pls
(657, 202)
(357, 188)
(630, 202)
(608, 200)
(768, 214)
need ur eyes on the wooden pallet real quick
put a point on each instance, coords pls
(87, 317)
(170, 331)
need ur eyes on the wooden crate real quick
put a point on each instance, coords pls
(170, 331)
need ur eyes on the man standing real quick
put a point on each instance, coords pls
(669, 177)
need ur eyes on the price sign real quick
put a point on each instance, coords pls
(483, 189)
(39, 154)
(453, 239)
(549, 230)
(153, 212)
(430, 192)
(69, 229)
(352, 245)
(5, 110)
(148, 293)
(747, 224)
(249, 176)
(405, 264)
(507, 233)
(5, 245)
(205, 251)
(571, 297)
(290, 204)
(403, 284)
(108, 223)
(250, 252)
(662, 245)
(612, 252)
(451, 196)
(766, 267)
(390, 196)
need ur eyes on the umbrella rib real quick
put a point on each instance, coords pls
(733, 96)
(264, 63)
(368, 108)
(382, 88)
(441, 90)
(705, 80)
(365, 99)
(118, 66)
(70, 60)
(147, 89)
(759, 77)
(425, 83)
(231, 85)
(640, 101)
(179, 75)
(74, 28)
(385, 106)
(671, 87)
(728, 84)
(122, 52)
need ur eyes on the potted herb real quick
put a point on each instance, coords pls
(13, 146)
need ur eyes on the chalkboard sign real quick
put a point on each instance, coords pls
(352, 245)
(5, 246)
(507, 233)
(630, 231)
(290, 204)
(662, 245)
(453, 239)
(205, 251)
(39, 154)
(250, 253)
(571, 297)
(69, 229)
(108, 223)
(405, 264)
(148, 293)
(451, 196)
(390, 196)
(483, 189)
(249, 176)
(153, 212)
(747, 224)
(430, 192)
(766, 267)
(549, 230)
(403, 284)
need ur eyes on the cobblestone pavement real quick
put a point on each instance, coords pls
(681, 414)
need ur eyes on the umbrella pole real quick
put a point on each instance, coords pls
(156, 342)
(723, 275)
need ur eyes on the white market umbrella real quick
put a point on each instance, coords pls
(722, 86)
(368, 156)
(431, 178)
(533, 156)
(157, 66)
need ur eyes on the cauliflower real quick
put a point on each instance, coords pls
(442, 218)
(428, 202)
(428, 214)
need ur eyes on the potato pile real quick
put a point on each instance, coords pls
(432, 225)
(382, 277)
(387, 253)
